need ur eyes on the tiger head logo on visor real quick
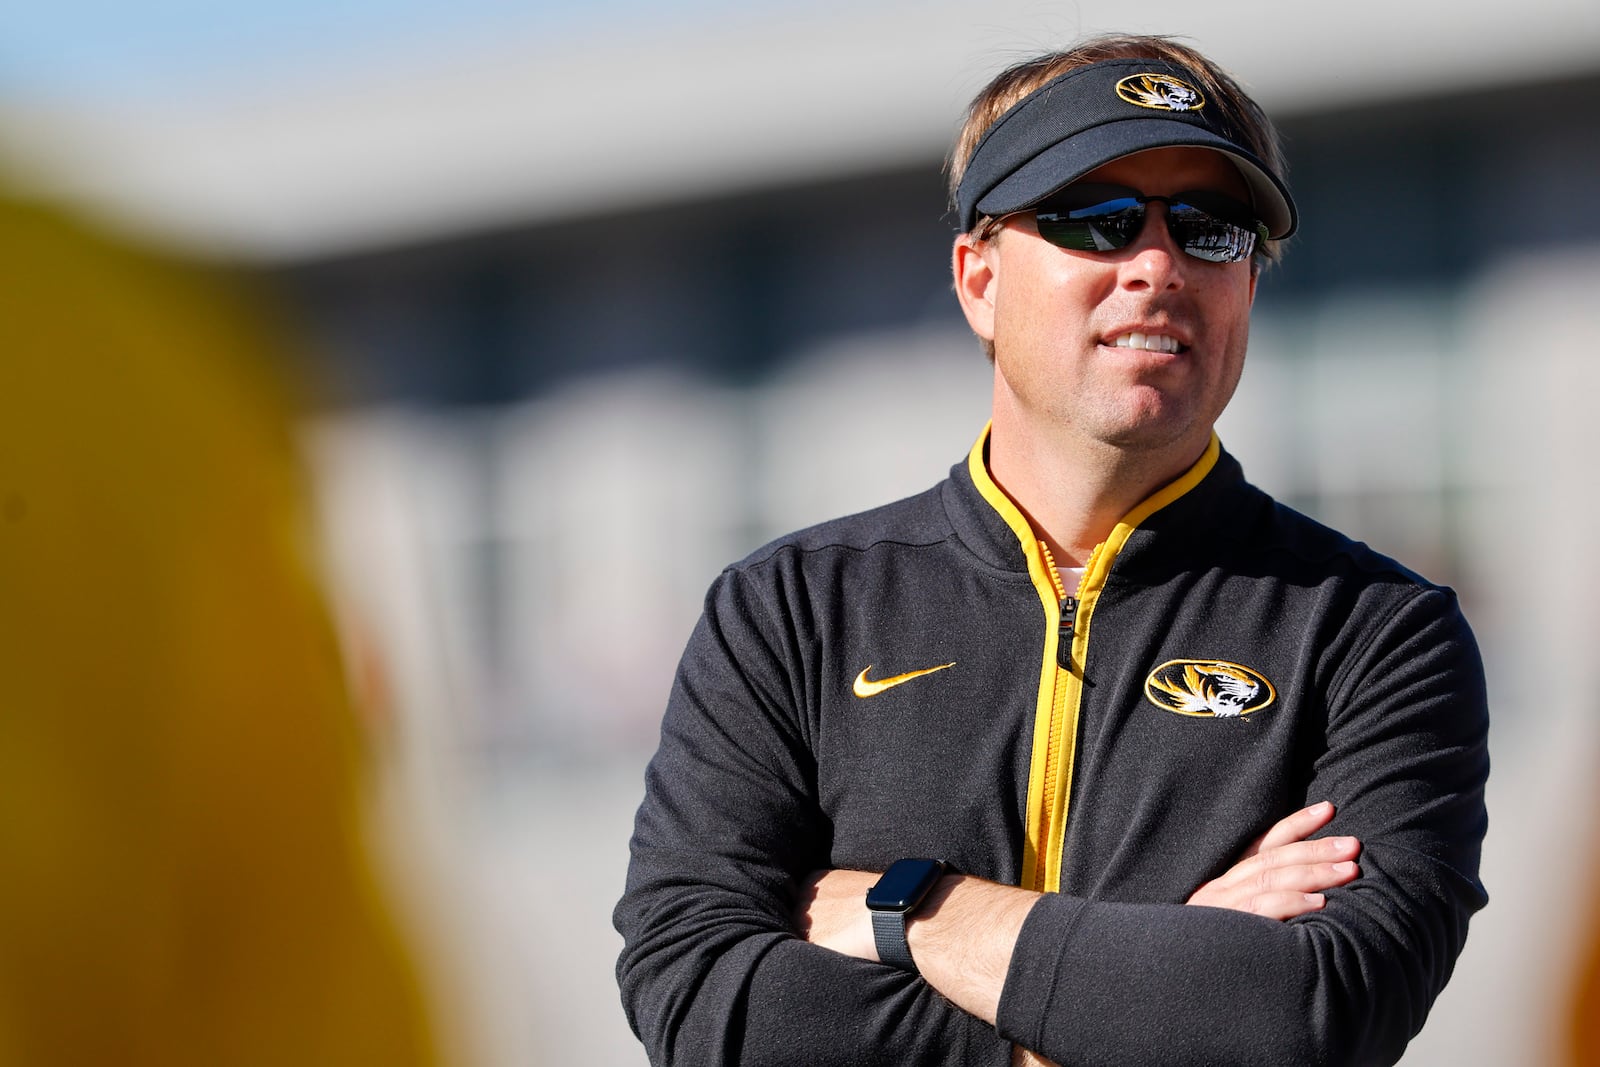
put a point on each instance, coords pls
(1161, 92)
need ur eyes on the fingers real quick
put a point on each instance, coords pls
(1292, 869)
(1284, 906)
(1296, 827)
(1284, 874)
(1298, 878)
(1298, 856)
(1278, 892)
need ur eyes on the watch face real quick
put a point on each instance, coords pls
(904, 884)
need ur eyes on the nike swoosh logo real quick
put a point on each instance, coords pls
(865, 688)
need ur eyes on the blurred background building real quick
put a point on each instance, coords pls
(594, 303)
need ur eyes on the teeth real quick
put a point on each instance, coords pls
(1150, 342)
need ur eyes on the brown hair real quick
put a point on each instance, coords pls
(1243, 115)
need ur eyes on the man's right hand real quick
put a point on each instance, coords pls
(1282, 874)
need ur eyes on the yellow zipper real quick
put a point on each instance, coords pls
(1059, 724)
(1060, 693)
(1062, 738)
(1058, 719)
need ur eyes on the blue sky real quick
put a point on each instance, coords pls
(95, 49)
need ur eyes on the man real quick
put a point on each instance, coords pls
(1206, 778)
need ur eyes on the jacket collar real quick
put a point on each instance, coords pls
(992, 526)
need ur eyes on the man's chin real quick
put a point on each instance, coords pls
(1159, 433)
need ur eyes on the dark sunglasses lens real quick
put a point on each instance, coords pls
(1217, 233)
(1207, 237)
(1102, 227)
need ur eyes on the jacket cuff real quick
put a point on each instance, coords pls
(1036, 966)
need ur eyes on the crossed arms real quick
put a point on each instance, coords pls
(723, 892)
(963, 938)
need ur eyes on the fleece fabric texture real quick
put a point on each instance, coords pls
(770, 768)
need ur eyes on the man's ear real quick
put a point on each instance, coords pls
(975, 265)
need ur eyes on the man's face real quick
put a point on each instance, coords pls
(1062, 321)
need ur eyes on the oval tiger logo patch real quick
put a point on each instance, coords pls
(1208, 688)
(1162, 92)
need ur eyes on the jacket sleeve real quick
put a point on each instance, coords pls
(1095, 982)
(712, 971)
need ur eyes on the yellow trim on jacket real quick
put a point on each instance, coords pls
(1060, 695)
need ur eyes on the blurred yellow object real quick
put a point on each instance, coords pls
(184, 871)
(1583, 1015)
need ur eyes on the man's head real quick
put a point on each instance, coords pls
(1114, 201)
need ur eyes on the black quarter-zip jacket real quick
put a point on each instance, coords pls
(1223, 662)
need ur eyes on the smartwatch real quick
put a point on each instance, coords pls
(893, 900)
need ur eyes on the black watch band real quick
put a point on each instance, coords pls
(889, 934)
(893, 900)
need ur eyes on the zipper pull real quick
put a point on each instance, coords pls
(1069, 615)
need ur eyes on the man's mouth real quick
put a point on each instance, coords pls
(1148, 342)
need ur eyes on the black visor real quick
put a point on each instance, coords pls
(1091, 115)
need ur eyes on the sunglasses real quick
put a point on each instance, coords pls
(1103, 218)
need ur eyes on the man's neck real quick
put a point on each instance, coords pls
(1075, 492)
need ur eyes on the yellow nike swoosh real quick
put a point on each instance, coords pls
(864, 688)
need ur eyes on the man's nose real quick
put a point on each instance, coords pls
(1154, 261)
